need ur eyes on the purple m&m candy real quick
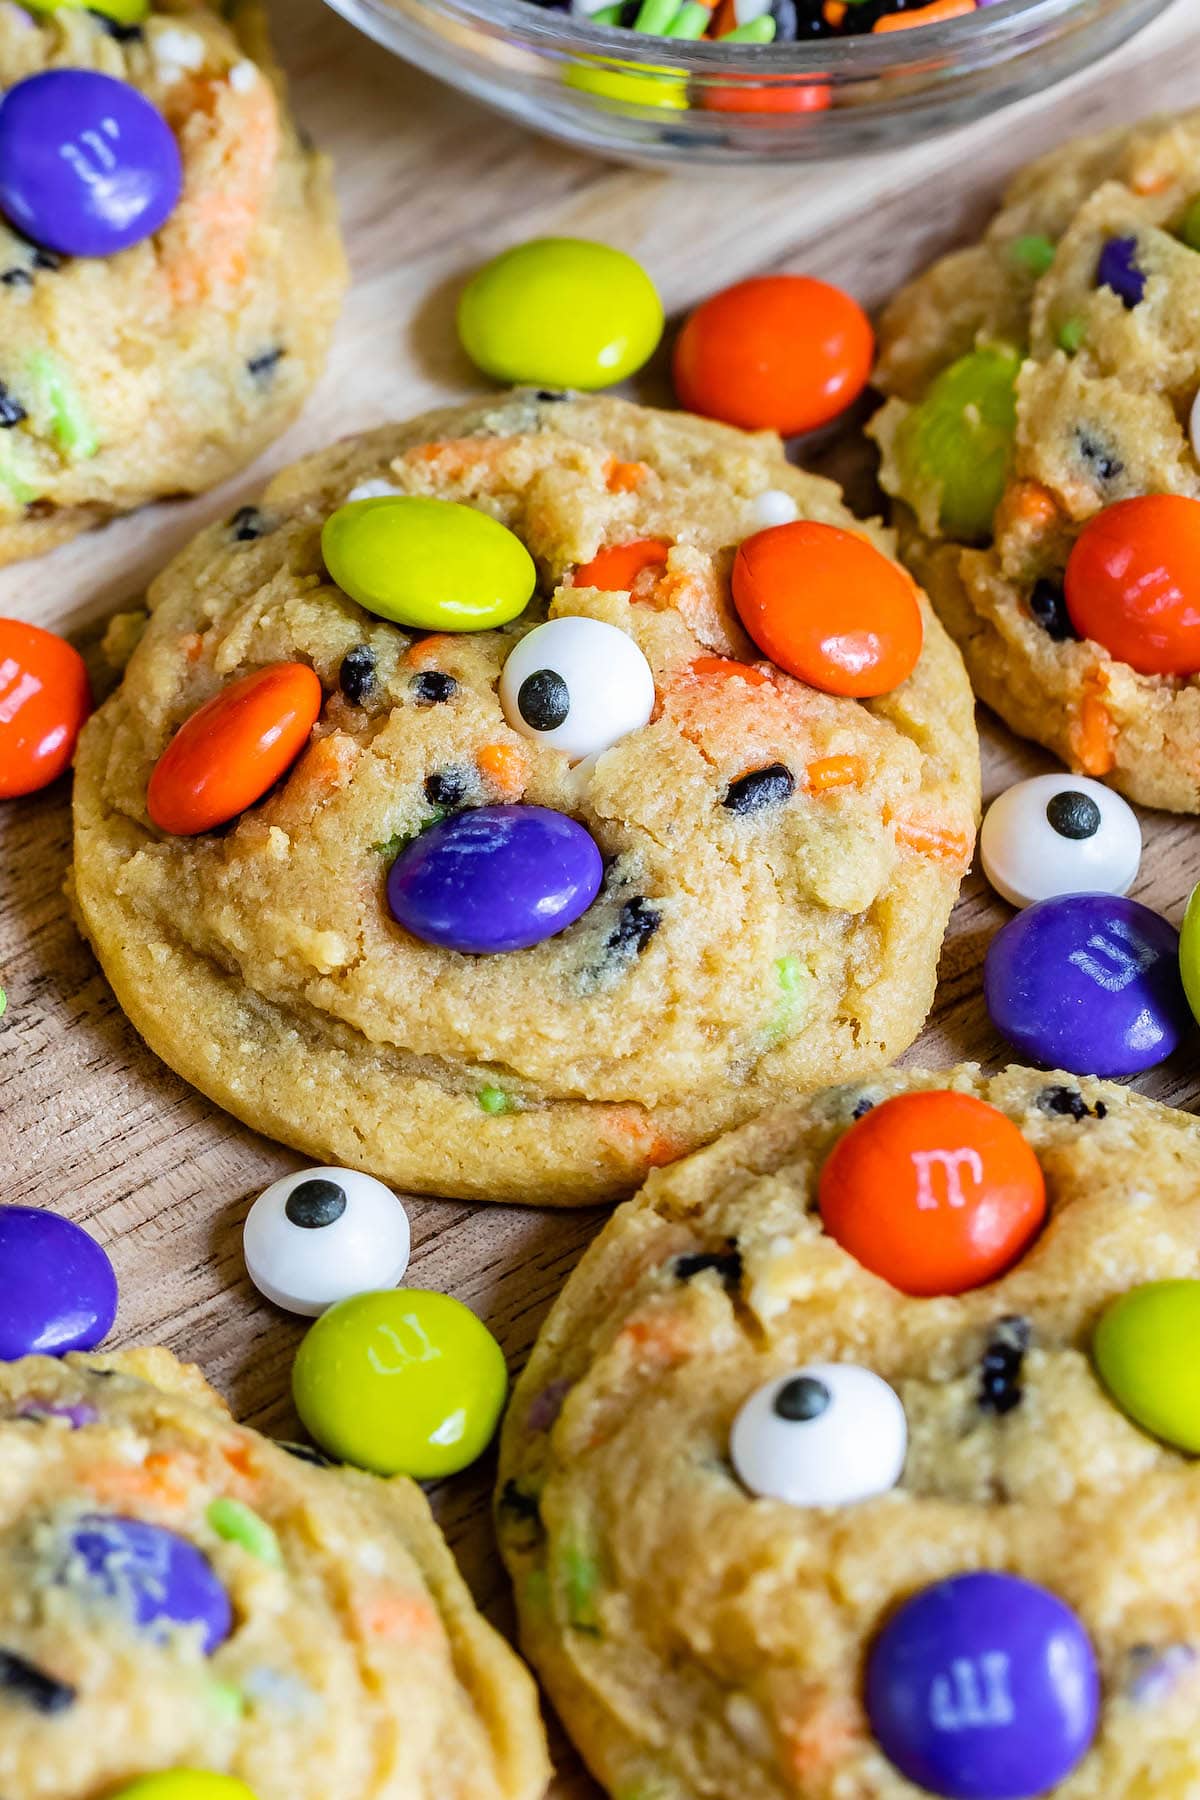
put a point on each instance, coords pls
(87, 165)
(159, 1580)
(1089, 983)
(497, 878)
(984, 1687)
(57, 1287)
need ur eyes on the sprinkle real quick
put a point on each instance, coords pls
(773, 507)
(264, 365)
(433, 686)
(1155, 1671)
(448, 787)
(247, 524)
(77, 1417)
(494, 1100)
(25, 1681)
(175, 49)
(725, 1263)
(1033, 252)
(1000, 1374)
(356, 677)
(11, 411)
(518, 1504)
(239, 1524)
(243, 76)
(1072, 335)
(581, 1581)
(1048, 606)
(545, 1407)
(1069, 1103)
(761, 788)
(227, 1701)
(372, 490)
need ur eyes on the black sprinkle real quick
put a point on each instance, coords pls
(307, 1453)
(316, 1203)
(1073, 815)
(25, 1681)
(549, 395)
(11, 411)
(124, 34)
(1000, 1371)
(636, 924)
(356, 677)
(432, 686)
(759, 789)
(47, 259)
(727, 1263)
(265, 365)
(544, 700)
(447, 787)
(16, 278)
(247, 524)
(1049, 607)
(862, 1108)
(1069, 1103)
(1103, 461)
(801, 1399)
(520, 1505)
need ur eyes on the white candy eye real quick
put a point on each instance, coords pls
(577, 685)
(1059, 834)
(322, 1235)
(823, 1436)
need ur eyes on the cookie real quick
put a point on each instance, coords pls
(1038, 379)
(777, 864)
(164, 367)
(704, 1597)
(178, 1592)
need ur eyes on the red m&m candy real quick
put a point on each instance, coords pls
(936, 1192)
(44, 700)
(1133, 583)
(828, 607)
(233, 749)
(781, 352)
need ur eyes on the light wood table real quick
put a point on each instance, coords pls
(430, 184)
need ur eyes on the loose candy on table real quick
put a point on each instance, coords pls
(1089, 983)
(233, 749)
(561, 312)
(495, 879)
(321, 1235)
(578, 685)
(1189, 951)
(1059, 834)
(826, 1435)
(88, 166)
(828, 607)
(45, 696)
(431, 565)
(958, 439)
(1147, 1353)
(936, 1192)
(58, 1291)
(778, 352)
(984, 1687)
(159, 1580)
(401, 1383)
(1133, 583)
(186, 1784)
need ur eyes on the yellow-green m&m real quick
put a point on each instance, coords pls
(1147, 1353)
(186, 1784)
(560, 313)
(1189, 951)
(402, 1382)
(432, 565)
(121, 12)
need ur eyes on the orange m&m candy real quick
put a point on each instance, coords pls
(617, 567)
(779, 352)
(44, 699)
(828, 607)
(1133, 583)
(935, 1192)
(233, 749)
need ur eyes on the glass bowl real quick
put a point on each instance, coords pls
(661, 101)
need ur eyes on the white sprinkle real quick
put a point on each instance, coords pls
(372, 490)
(242, 77)
(773, 507)
(175, 49)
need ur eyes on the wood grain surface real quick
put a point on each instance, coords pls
(92, 1123)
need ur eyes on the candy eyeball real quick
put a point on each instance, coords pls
(1059, 834)
(321, 1235)
(577, 685)
(825, 1435)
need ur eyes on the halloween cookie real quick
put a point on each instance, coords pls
(170, 266)
(858, 1456)
(1041, 442)
(526, 868)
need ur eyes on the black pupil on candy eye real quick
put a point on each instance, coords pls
(1073, 815)
(544, 700)
(315, 1203)
(801, 1399)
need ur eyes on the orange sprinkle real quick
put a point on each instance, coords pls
(192, 646)
(818, 1738)
(1156, 182)
(1032, 504)
(934, 14)
(427, 650)
(237, 1455)
(952, 847)
(506, 767)
(393, 1615)
(660, 1336)
(834, 772)
(725, 668)
(1093, 732)
(160, 1481)
(625, 477)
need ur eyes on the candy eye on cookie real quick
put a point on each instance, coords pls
(1059, 834)
(319, 1236)
(827, 1435)
(577, 685)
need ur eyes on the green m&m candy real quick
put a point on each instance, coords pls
(121, 12)
(560, 313)
(403, 1382)
(1189, 951)
(1147, 1352)
(430, 564)
(958, 440)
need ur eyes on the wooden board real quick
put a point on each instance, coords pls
(92, 1123)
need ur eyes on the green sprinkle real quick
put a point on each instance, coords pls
(1072, 335)
(754, 31)
(70, 426)
(227, 1701)
(400, 840)
(1033, 252)
(580, 1577)
(3, 1003)
(1189, 231)
(789, 972)
(238, 1524)
(16, 485)
(494, 1100)
(793, 979)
